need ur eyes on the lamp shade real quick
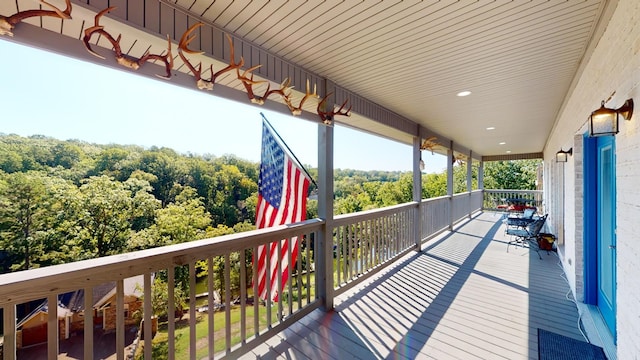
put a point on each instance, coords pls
(603, 122)
(563, 156)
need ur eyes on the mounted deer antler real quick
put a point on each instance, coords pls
(121, 58)
(167, 59)
(201, 83)
(429, 144)
(459, 158)
(297, 110)
(327, 116)
(8, 23)
(248, 83)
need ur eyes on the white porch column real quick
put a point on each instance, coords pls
(450, 159)
(417, 192)
(481, 175)
(324, 242)
(469, 180)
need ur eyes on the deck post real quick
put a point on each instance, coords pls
(417, 192)
(481, 175)
(324, 242)
(469, 180)
(450, 159)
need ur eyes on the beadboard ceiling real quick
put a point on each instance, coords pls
(518, 58)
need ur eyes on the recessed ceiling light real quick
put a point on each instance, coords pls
(508, 151)
(502, 143)
(464, 93)
(491, 128)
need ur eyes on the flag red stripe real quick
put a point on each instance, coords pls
(292, 208)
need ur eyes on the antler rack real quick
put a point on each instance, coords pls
(327, 116)
(204, 84)
(248, 83)
(429, 144)
(297, 110)
(121, 58)
(7, 24)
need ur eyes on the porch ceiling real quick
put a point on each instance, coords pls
(411, 57)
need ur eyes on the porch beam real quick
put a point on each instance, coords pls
(506, 157)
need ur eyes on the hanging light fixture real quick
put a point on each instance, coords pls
(563, 156)
(604, 121)
(421, 164)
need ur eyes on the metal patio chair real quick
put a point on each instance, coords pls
(527, 235)
(523, 220)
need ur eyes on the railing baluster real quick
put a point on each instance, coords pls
(52, 327)
(148, 312)
(211, 305)
(359, 249)
(268, 284)
(379, 242)
(290, 273)
(309, 260)
(299, 269)
(345, 252)
(88, 323)
(279, 277)
(9, 322)
(370, 248)
(243, 298)
(256, 298)
(227, 301)
(337, 248)
(192, 311)
(120, 345)
(171, 318)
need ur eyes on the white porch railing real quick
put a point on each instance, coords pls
(363, 243)
(498, 199)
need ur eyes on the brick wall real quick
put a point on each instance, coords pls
(110, 313)
(613, 66)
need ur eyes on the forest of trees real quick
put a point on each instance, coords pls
(62, 201)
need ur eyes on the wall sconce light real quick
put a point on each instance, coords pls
(563, 156)
(604, 121)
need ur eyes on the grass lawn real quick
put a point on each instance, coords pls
(160, 342)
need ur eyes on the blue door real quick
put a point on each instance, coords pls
(606, 230)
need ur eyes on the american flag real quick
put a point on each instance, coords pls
(282, 199)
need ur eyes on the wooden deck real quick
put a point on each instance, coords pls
(463, 297)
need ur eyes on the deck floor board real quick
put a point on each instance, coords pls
(463, 297)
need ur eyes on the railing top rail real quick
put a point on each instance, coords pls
(436, 198)
(495, 191)
(39, 283)
(371, 214)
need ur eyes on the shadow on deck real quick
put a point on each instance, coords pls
(462, 297)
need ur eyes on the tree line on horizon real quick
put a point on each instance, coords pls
(63, 201)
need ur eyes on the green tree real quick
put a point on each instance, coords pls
(160, 299)
(24, 217)
(107, 208)
(184, 220)
(514, 174)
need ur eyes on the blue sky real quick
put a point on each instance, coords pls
(48, 94)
